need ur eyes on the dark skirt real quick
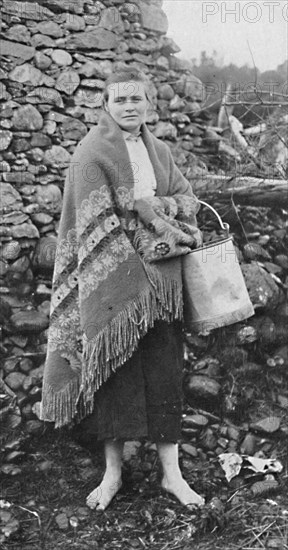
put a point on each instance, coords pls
(144, 397)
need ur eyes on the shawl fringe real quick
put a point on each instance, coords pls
(115, 344)
(59, 406)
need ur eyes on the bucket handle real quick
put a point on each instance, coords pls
(225, 226)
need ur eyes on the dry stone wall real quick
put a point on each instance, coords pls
(55, 57)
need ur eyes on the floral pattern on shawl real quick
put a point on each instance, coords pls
(90, 208)
(166, 227)
(65, 253)
(105, 263)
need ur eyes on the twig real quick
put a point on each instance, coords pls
(129, 506)
(284, 536)
(238, 491)
(263, 530)
(257, 538)
(254, 104)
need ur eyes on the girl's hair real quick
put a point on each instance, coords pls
(127, 74)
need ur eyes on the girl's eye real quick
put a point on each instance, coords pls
(123, 100)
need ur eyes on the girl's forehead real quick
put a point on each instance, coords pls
(126, 89)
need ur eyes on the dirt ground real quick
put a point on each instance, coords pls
(46, 503)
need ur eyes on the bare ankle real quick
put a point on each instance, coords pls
(112, 474)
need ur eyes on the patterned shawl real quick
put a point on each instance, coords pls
(117, 266)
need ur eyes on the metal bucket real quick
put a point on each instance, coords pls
(215, 293)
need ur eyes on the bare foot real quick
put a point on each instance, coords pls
(181, 490)
(101, 497)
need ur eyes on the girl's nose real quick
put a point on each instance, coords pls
(129, 105)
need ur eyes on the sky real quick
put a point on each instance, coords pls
(228, 27)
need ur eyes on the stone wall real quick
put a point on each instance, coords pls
(55, 58)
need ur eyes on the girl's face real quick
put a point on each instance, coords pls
(127, 104)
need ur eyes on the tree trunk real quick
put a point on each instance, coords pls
(243, 190)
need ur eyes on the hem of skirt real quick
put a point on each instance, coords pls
(141, 438)
(130, 437)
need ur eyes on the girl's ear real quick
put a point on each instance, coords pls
(149, 100)
(105, 106)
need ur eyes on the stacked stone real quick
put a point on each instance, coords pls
(55, 59)
(228, 372)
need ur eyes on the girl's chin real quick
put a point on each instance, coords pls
(129, 126)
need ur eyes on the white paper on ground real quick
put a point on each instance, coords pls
(232, 464)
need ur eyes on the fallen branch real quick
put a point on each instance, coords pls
(256, 103)
(244, 190)
(259, 128)
(255, 130)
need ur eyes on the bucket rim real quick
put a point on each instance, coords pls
(209, 245)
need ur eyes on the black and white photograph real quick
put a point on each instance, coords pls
(144, 275)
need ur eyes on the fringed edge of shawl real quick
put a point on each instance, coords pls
(60, 406)
(116, 343)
